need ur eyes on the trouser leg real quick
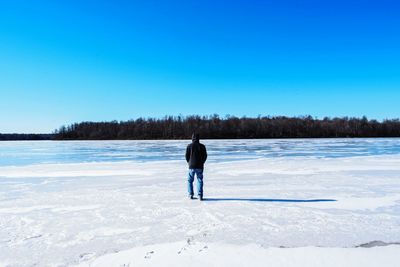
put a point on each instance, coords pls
(199, 174)
(190, 182)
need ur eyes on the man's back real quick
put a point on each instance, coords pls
(196, 155)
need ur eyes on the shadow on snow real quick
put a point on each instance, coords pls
(268, 200)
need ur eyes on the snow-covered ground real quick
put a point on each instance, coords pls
(311, 209)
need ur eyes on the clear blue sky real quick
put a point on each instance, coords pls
(71, 61)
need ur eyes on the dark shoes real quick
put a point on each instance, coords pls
(200, 197)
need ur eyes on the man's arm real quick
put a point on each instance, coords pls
(204, 154)
(187, 153)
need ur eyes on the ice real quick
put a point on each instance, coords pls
(323, 203)
(33, 152)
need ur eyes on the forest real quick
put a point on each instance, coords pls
(229, 127)
(22, 137)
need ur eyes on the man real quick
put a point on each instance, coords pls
(196, 156)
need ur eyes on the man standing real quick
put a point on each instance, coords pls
(196, 156)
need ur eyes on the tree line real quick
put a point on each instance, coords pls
(22, 137)
(229, 127)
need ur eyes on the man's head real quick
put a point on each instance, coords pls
(195, 137)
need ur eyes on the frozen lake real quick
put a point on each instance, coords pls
(69, 203)
(38, 152)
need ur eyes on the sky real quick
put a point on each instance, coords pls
(70, 61)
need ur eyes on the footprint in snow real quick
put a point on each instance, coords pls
(182, 249)
(204, 248)
(86, 256)
(148, 255)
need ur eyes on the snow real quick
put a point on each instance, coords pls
(216, 255)
(263, 211)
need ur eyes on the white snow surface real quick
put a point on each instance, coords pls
(216, 255)
(284, 211)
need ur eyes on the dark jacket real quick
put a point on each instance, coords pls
(196, 153)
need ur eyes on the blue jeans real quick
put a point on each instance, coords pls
(199, 174)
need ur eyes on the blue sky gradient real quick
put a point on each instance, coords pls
(70, 61)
